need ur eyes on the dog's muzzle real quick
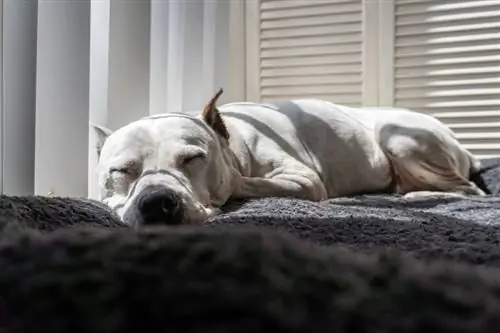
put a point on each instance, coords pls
(155, 205)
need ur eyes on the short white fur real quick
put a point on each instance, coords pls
(310, 149)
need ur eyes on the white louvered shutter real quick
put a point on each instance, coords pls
(447, 63)
(308, 48)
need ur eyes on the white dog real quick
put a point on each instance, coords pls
(176, 168)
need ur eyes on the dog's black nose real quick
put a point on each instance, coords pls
(159, 205)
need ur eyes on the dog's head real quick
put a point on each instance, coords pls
(168, 169)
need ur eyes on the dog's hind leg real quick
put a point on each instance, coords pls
(427, 161)
(424, 177)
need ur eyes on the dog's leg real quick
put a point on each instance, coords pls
(423, 163)
(294, 184)
(418, 178)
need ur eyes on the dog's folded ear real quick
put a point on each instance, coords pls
(102, 134)
(212, 116)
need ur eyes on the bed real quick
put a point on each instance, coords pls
(371, 263)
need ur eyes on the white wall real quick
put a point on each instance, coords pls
(109, 62)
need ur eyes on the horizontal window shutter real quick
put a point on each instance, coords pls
(310, 48)
(447, 64)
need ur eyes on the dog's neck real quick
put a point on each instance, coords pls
(234, 161)
(239, 155)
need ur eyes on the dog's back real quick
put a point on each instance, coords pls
(330, 139)
(353, 149)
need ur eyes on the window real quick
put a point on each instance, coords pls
(305, 48)
(446, 59)
(441, 58)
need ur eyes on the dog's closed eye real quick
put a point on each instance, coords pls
(127, 170)
(124, 171)
(192, 158)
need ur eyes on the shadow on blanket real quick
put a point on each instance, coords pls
(238, 273)
(199, 280)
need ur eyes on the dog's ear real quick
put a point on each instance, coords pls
(102, 134)
(212, 116)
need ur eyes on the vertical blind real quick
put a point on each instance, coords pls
(67, 63)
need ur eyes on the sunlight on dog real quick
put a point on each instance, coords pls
(176, 168)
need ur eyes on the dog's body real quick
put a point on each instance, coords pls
(309, 149)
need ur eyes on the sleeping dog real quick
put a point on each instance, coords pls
(176, 168)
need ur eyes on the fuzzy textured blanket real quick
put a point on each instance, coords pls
(372, 263)
(464, 230)
(461, 229)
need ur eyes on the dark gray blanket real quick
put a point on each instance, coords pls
(466, 230)
(451, 228)
(97, 276)
(185, 280)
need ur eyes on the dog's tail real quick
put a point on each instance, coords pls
(475, 163)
